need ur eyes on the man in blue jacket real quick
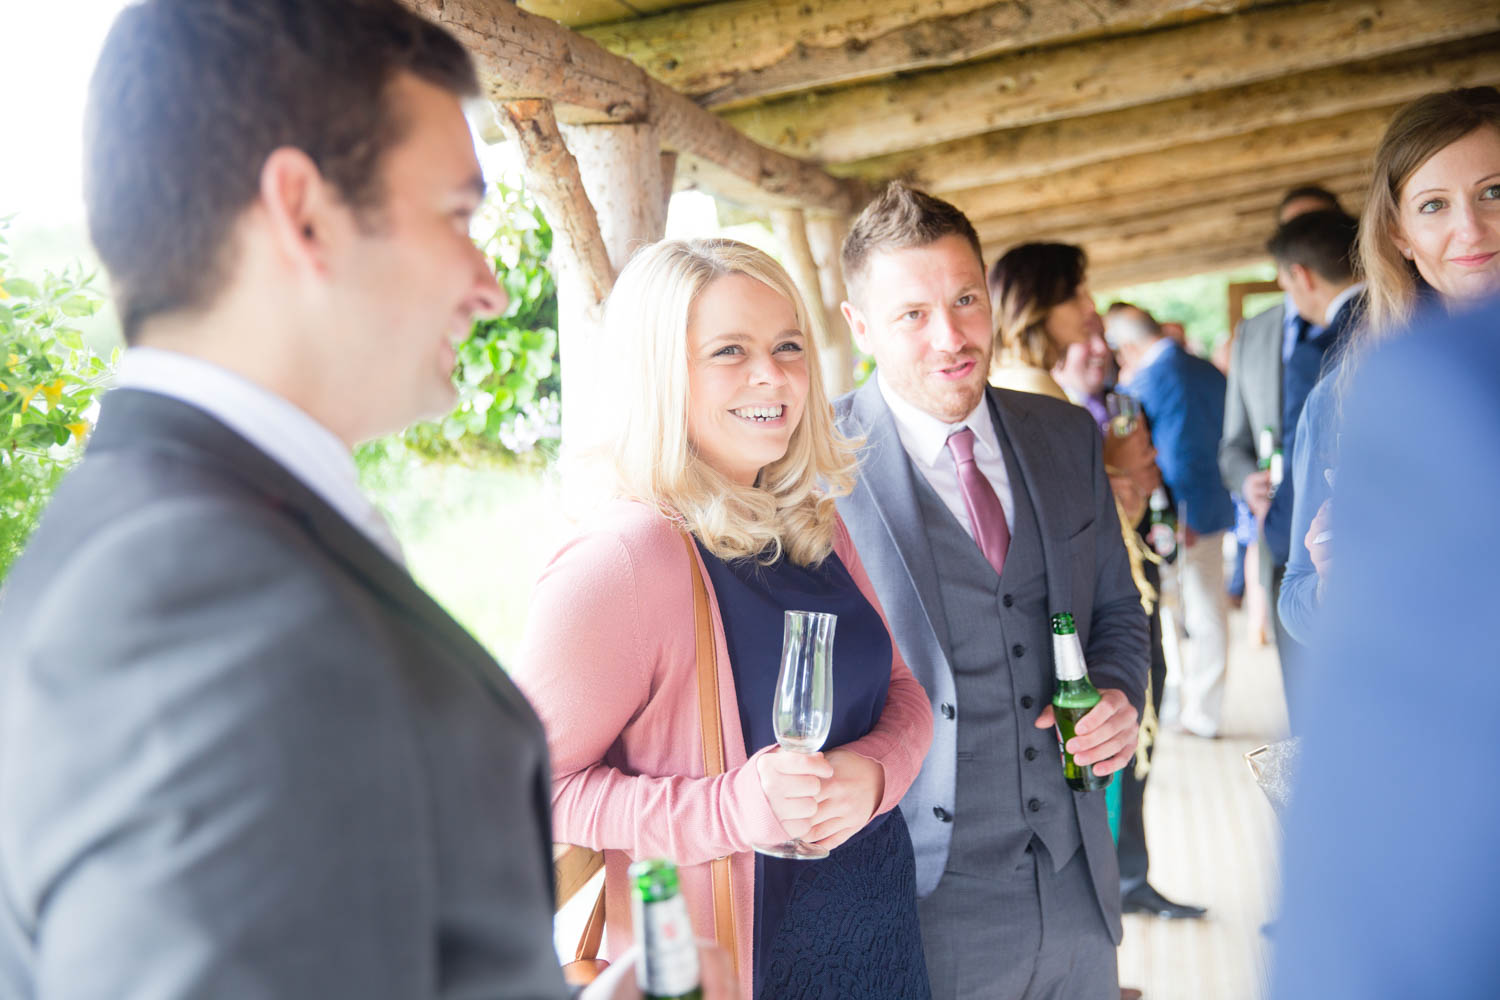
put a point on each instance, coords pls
(1183, 399)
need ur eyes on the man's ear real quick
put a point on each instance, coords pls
(1303, 277)
(297, 203)
(856, 321)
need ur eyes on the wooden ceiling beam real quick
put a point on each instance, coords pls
(875, 119)
(1257, 191)
(1344, 137)
(1178, 264)
(727, 53)
(522, 56)
(1038, 150)
(1164, 222)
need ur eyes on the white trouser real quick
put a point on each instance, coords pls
(1205, 616)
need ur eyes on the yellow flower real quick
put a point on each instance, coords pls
(3, 293)
(79, 430)
(12, 362)
(53, 392)
(4, 387)
(27, 396)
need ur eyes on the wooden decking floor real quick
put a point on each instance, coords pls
(1213, 841)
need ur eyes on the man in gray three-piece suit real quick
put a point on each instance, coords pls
(1018, 879)
(242, 754)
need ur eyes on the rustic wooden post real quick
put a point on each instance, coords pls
(825, 235)
(791, 230)
(581, 261)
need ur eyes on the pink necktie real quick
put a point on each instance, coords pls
(986, 516)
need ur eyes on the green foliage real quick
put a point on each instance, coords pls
(507, 372)
(47, 387)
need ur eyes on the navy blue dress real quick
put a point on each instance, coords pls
(844, 928)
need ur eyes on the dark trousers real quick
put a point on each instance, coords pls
(1131, 847)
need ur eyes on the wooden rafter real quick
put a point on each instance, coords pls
(522, 56)
(1039, 150)
(888, 116)
(727, 53)
(1227, 192)
(1347, 136)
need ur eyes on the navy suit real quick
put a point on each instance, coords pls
(1391, 868)
(1183, 398)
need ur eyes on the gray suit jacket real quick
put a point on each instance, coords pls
(242, 754)
(1253, 397)
(1057, 446)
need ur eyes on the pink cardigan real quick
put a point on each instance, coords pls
(608, 661)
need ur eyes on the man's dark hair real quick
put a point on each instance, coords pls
(1314, 191)
(188, 99)
(899, 218)
(1322, 242)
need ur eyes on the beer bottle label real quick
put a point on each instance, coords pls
(669, 965)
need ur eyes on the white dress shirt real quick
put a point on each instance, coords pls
(296, 441)
(925, 439)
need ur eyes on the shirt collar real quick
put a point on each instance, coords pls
(925, 437)
(1338, 302)
(300, 444)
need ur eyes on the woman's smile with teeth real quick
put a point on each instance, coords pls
(759, 413)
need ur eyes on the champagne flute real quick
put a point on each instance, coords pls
(802, 709)
(1124, 412)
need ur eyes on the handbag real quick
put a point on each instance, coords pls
(575, 865)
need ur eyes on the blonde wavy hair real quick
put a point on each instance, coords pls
(1418, 131)
(643, 443)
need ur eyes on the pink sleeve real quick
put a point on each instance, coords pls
(900, 740)
(605, 671)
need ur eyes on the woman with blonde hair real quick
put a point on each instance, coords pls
(1429, 234)
(721, 458)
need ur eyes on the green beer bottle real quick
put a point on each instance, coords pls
(668, 968)
(1075, 696)
(1271, 457)
(1161, 529)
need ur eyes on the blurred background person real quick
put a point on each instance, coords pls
(1183, 399)
(1431, 229)
(1259, 412)
(721, 433)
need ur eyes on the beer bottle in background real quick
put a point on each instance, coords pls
(1161, 526)
(1271, 458)
(668, 968)
(1075, 696)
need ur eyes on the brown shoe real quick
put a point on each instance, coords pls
(1129, 993)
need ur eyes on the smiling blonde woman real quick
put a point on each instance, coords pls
(716, 430)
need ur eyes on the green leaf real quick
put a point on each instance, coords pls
(21, 288)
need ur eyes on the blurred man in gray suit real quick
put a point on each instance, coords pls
(242, 754)
(979, 513)
(1254, 401)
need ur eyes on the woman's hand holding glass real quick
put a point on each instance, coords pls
(847, 800)
(793, 783)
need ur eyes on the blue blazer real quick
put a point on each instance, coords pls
(1390, 864)
(1183, 398)
(1317, 450)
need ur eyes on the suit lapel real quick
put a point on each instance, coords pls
(1034, 456)
(132, 420)
(884, 460)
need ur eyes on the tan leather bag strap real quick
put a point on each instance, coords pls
(713, 745)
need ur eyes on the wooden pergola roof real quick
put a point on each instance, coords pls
(1158, 133)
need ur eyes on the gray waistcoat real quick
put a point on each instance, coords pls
(1001, 662)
